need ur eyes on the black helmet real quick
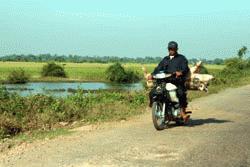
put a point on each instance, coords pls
(173, 45)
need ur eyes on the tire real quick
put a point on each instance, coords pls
(180, 122)
(159, 123)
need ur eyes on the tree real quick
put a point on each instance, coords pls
(53, 70)
(218, 61)
(116, 73)
(242, 51)
(18, 76)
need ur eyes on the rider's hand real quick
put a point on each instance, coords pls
(149, 77)
(178, 73)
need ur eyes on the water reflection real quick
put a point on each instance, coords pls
(63, 88)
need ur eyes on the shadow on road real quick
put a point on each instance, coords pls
(197, 122)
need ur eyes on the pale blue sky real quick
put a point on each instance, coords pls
(203, 29)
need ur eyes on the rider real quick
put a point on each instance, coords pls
(176, 64)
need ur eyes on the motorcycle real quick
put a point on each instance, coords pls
(165, 106)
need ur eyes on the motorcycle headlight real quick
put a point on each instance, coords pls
(159, 89)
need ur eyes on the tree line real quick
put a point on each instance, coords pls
(94, 59)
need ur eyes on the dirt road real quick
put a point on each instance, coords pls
(218, 135)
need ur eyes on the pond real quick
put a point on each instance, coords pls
(66, 88)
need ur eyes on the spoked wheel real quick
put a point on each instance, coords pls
(158, 116)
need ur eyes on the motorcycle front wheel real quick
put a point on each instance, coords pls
(158, 116)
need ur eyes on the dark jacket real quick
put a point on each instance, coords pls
(177, 63)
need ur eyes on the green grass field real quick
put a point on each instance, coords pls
(76, 71)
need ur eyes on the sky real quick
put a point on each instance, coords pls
(132, 28)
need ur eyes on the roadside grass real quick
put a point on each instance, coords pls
(30, 137)
(229, 77)
(43, 112)
(40, 135)
(193, 94)
(25, 119)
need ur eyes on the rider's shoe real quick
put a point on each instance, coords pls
(184, 115)
(186, 118)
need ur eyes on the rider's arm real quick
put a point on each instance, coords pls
(160, 67)
(183, 68)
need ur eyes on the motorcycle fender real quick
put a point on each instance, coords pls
(170, 87)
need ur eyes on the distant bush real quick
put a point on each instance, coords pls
(53, 70)
(132, 76)
(218, 61)
(18, 77)
(236, 68)
(116, 73)
(203, 70)
(248, 63)
(236, 63)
